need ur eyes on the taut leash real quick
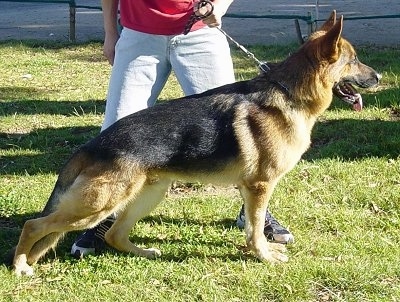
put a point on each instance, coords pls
(196, 17)
(262, 65)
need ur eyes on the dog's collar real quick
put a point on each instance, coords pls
(265, 69)
(282, 86)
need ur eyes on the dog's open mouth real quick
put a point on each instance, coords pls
(347, 93)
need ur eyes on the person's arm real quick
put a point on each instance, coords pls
(110, 13)
(220, 9)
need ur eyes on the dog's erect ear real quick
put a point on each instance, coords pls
(330, 22)
(329, 48)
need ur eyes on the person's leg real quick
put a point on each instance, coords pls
(140, 71)
(201, 60)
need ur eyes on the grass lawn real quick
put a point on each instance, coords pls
(341, 201)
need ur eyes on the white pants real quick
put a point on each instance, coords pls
(201, 60)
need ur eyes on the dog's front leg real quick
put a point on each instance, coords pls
(256, 196)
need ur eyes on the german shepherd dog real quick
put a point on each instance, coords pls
(248, 133)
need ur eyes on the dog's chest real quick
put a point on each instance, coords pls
(300, 131)
(295, 140)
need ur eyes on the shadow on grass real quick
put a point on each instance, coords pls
(10, 229)
(30, 107)
(45, 149)
(355, 139)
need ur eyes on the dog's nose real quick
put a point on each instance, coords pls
(375, 78)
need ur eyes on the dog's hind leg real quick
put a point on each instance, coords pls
(256, 197)
(34, 242)
(49, 241)
(118, 235)
(90, 199)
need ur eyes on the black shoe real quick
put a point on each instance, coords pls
(92, 241)
(273, 230)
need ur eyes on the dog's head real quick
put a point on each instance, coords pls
(341, 62)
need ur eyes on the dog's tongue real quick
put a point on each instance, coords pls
(358, 103)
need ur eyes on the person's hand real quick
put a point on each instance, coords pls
(215, 18)
(109, 46)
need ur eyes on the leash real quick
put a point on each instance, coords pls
(196, 16)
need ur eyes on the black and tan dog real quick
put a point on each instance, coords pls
(249, 133)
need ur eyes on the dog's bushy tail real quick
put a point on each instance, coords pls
(66, 178)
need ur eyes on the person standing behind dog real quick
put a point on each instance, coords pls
(150, 46)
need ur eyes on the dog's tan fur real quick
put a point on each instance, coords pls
(266, 124)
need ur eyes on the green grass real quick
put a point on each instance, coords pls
(341, 201)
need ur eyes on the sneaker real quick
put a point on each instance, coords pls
(92, 241)
(273, 230)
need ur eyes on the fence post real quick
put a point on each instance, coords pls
(72, 21)
(312, 23)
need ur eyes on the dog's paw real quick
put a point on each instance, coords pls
(151, 253)
(272, 253)
(23, 270)
(278, 257)
(273, 257)
(277, 247)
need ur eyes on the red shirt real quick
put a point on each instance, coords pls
(160, 17)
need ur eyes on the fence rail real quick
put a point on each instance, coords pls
(72, 12)
(309, 18)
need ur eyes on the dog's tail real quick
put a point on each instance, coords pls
(66, 178)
